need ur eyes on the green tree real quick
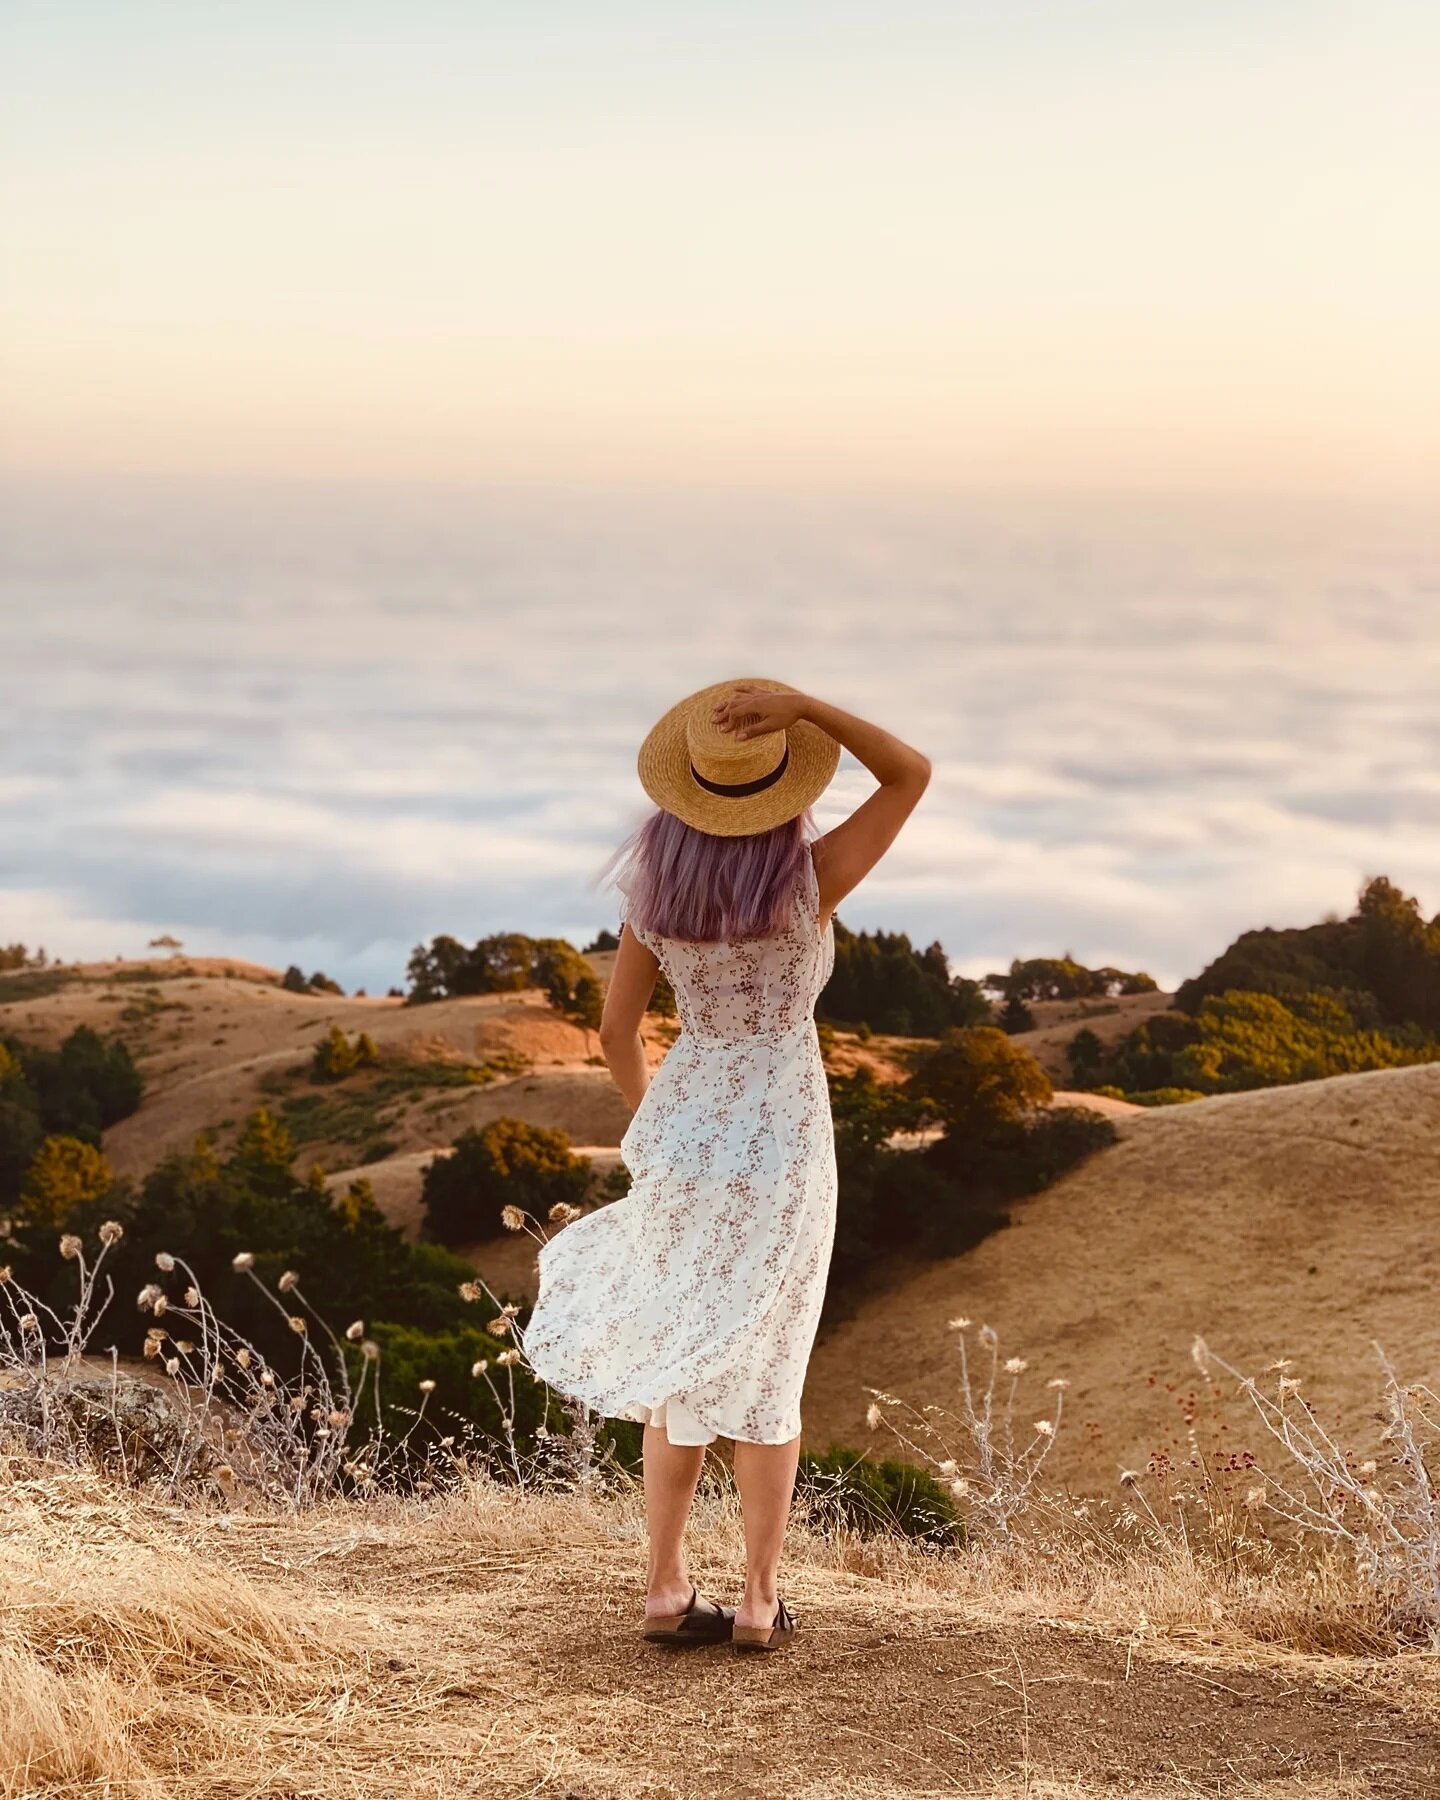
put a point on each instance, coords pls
(977, 1080)
(1085, 1054)
(570, 986)
(505, 1163)
(1015, 1017)
(263, 1154)
(21, 1136)
(65, 1173)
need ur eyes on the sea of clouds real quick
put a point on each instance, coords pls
(319, 725)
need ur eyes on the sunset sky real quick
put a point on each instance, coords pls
(1136, 245)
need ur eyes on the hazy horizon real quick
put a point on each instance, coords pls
(295, 724)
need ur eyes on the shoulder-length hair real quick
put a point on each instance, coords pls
(684, 883)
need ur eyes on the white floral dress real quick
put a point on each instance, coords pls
(693, 1302)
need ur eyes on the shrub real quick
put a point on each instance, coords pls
(336, 1056)
(1165, 1096)
(504, 1163)
(1084, 1053)
(1015, 1017)
(977, 1080)
(842, 1489)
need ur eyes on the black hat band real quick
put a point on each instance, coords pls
(737, 789)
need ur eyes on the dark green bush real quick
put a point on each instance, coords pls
(843, 1490)
(505, 1163)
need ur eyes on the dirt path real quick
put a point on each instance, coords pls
(534, 1654)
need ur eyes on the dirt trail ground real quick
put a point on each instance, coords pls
(489, 1646)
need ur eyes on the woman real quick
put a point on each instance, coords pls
(691, 1304)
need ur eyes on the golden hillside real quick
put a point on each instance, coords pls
(215, 1038)
(1298, 1222)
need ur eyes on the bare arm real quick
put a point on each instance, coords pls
(845, 855)
(632, 981)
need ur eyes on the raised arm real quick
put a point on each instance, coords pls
(845, 855)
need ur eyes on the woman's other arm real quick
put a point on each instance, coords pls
(632, 981)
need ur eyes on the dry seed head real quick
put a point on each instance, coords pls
(873, 1416)
(151, 1348)
(498, 1327)
(960, 1487)
(242, 1263)
(242, 1356)
(1368, 1468)
(184, 1347)
(147, 1297)
(192, 1297)
(960, 1324)
(1045, 1427)
(470, 1290)
(164, 1260)
(5, 1273)
(369, 1349)
(267, 1378)
(508, 1358)
(287, 1281)
(28, 1322)
(1255, 1498)
(356, 1331)
(510, 1309)
(512, 1218)
(298, 1325)
(1200, 1355)
(989, 1336)
(172, 1365)
(1015, 1365)
(111, 1232)
(70, 1246)
(477, 1369)
(1058, 1381)
(427, 1386)
(1128, 1477)
(948, 1467)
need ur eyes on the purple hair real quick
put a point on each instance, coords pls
(691, 884)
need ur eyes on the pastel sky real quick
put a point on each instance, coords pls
(1126, 243)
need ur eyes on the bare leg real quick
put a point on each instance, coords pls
(765, 1475)
(672, 1473)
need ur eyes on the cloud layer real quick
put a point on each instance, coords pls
(320, 725)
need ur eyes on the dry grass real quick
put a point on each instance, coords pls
(486, 1643)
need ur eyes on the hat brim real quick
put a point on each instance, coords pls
(666, 776)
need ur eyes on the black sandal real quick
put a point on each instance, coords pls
(766, 1637)
(704, 1621)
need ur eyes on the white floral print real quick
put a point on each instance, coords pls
(693, 1302)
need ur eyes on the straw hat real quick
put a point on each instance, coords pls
(732, 788)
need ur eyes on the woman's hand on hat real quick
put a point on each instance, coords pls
(749, 712)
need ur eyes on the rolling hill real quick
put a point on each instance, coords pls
(1300, 1222)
